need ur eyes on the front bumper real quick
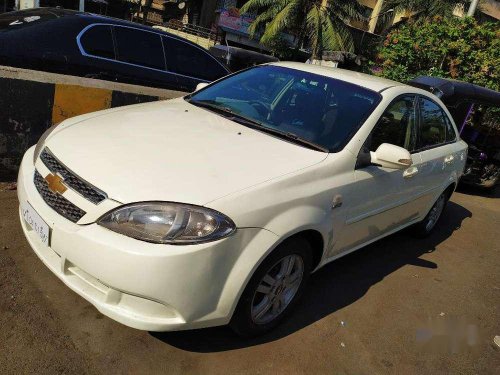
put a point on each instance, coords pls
(142, 285)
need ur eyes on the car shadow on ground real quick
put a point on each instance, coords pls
(479, 191)
(333, 287)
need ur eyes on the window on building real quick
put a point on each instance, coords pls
(139, 47)
(183, 58)
(98, 41)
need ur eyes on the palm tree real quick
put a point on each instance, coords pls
(323, 23)
(424, 9)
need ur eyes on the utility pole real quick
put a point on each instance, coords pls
(472, 8)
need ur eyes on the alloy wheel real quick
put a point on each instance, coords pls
(277, 289)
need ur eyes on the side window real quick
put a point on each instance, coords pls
(432, 124)
(98, 41)
(139, 47)
(182, 58)
(396, 126)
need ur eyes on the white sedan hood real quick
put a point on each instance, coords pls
(172, 151)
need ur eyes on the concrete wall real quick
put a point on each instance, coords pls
(31, 101)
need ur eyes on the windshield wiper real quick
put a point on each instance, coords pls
(254, 124)
(211, 104)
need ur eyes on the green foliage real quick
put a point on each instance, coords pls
(423, 10)
(320, 23)
(457, 48)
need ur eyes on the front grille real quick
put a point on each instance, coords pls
(60, 204)
(82, 187)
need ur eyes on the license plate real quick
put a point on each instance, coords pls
(36, 223)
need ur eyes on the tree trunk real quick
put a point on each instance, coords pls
(145, 12)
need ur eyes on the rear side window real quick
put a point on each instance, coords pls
(182, 58)
(396, 126)
(432, 125)
(139, 47)
(98, 41)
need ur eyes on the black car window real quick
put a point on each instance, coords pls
(139, 47)
(396, 126)
(98, 41)
(183, 58)
(432, 124)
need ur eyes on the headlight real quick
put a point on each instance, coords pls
(41, 142)
(172, 223)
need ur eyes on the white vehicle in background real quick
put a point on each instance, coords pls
(214, 208)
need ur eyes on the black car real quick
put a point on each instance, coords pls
(88, 45)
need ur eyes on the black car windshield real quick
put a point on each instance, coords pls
(313, 108)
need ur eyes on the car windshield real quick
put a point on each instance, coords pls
(303, 106)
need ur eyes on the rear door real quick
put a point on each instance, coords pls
(141, 58)
(436, 145)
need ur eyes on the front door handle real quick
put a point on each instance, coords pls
(449, 159)
(410, 172)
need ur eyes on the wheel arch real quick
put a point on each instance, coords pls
(315, 240)
(450, 189)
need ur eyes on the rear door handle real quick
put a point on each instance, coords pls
(449, 159)
(410, 172)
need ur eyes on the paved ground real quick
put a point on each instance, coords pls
(392, 296)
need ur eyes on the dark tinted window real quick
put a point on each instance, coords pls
(317, 108)
(396, 126)
(98, 41)
(188, 60)
(139, 47)
(432, 124)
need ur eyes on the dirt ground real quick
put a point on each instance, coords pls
(399, 306)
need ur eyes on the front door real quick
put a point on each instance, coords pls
(379, 195)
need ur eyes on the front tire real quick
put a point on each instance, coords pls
(274, 289)
(426, 226)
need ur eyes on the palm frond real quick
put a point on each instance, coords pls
(315, 28)
(424, 9)
(255, 5)
(280, 22)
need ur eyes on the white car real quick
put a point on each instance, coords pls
(215, 208)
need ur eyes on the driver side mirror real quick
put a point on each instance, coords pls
(200, 86)
(391, 156)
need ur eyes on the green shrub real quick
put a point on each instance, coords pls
(457, 48)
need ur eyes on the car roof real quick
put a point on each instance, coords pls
(88, 17)
(365, 80)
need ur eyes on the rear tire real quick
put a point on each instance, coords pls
(274, 289)
(426, 226)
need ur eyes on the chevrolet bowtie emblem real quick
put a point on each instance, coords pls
(55, 183)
